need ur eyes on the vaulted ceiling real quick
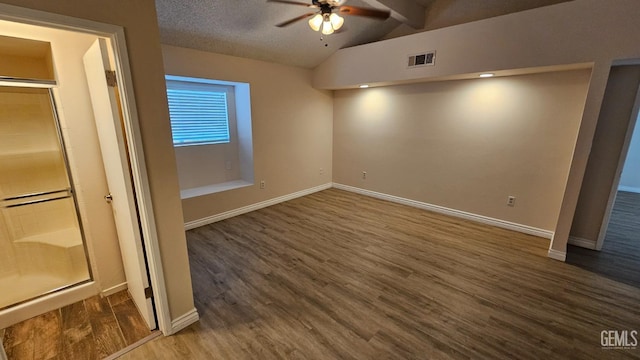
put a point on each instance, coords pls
(247, 28)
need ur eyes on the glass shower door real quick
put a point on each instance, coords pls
(41, 241)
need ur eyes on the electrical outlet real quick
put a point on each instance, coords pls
(263, 184)
(227, 164)
(511, 201)
(364, 175)
(321, 171)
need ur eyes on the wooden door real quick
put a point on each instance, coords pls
(114, 156)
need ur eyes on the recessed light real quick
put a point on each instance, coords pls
(364, 86)
(486, 75)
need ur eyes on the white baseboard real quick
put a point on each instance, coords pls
(183, 321)
(114, 289)
(451, 212)
(629, 189)
(243, 210)
(557, 255)
(585, 243)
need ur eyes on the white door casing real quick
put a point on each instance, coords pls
(114, 156)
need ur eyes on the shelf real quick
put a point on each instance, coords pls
(27, 58)
(65, 238)
(21, 152)
(214, 188)
(44, 153)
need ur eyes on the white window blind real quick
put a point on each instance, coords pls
(199, 112)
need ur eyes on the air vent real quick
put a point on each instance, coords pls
(424, 59)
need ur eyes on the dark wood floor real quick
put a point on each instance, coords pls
(91, 329)
(619, 258)
(336, 275)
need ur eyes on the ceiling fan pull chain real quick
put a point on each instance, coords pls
(322, 39)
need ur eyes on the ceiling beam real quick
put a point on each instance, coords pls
(409, 12)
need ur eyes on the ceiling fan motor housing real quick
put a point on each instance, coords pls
(324, 6)
(327, 3)
(325, 15)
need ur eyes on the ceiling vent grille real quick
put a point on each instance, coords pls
(423, 59)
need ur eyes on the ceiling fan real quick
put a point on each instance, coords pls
(327, 17)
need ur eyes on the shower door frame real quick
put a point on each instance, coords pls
(135, 154)
(50, 85)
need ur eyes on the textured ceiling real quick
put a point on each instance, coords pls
(246, 28)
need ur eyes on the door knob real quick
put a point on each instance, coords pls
(108, 198)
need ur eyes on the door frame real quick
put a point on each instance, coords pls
(135, 154)
(621, 160)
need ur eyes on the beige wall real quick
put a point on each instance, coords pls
(465, 145)
(579, 31)
(292, 127)
(204, 165)
(143, 44)
(85, 159)
(608, 143)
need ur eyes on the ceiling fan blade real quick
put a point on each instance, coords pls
(292, 3)
(289, 22)
(359, 11)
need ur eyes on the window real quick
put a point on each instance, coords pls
(212, 137)
(199, 111)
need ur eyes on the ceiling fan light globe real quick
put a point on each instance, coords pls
(327, 29)
(336, 21)
(315, 22)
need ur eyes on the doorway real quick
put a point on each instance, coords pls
(605, 232)
(114, 35)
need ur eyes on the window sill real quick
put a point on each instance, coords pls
(212, 189)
